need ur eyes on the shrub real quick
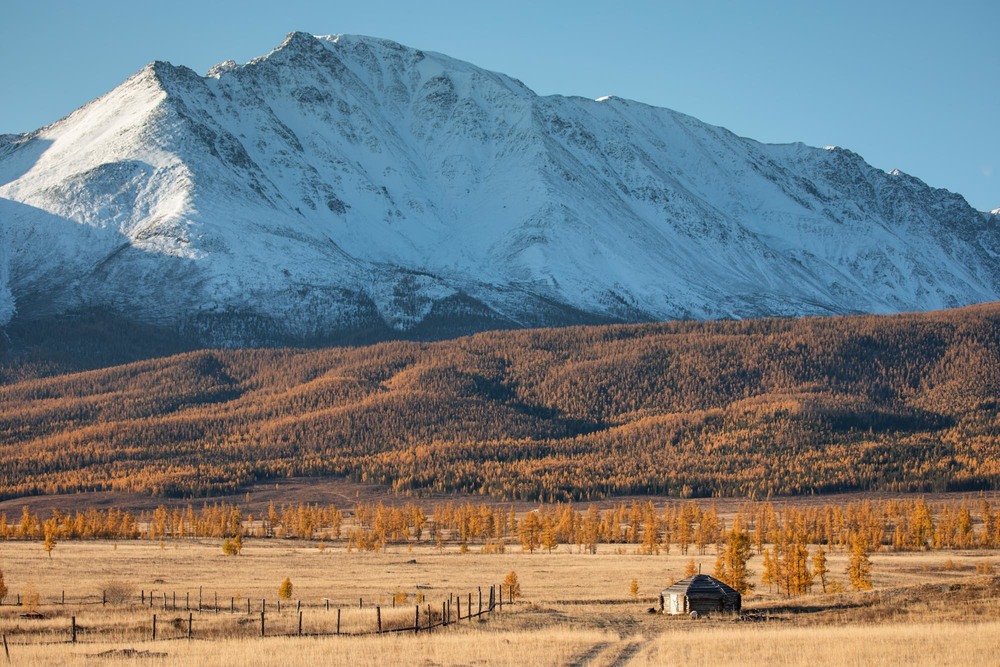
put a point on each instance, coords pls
(118, 592)
(494, 547)
(31, 599)
(232, 546)
(511, 583)
(285, 590)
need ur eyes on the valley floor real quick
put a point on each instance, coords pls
(577, 609)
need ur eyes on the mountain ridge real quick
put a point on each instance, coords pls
(345, 184)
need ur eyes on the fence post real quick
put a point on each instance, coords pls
(500, 595)
(469, 615)
(232, 604)
(261, 622)
(444, 610)
(150, 599)
(73, 626)
(480, 601)
(190, 618)
(459, 601)
(338, 620)
(327, 600)
(416, 619)
(154, 627)
(298, 605)
(199, 598)
(378, 619)
(104, 598)
(142, 597)
(359, 603)
(64, 598)
(300, 624)
(216, 602)
(173, 602)
(248, 605)
(187, 601)
(164, 600)
(279, 605)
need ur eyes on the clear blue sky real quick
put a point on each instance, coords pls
(913, 85)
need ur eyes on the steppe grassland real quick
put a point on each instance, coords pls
(576, 609)
(882, 645)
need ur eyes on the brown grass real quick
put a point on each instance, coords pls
(871, 645)
(577, 608)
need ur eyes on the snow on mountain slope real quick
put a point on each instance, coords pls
(348, 183)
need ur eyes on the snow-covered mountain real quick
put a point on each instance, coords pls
(351, 184)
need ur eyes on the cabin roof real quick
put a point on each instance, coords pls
(702, 586)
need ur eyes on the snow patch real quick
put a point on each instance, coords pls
(222, 68)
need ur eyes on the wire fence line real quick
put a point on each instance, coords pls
(268, 619)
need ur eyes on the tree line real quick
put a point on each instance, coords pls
(689, 527)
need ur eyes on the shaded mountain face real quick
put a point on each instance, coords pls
(352, 187)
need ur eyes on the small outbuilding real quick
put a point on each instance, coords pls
(702, 594)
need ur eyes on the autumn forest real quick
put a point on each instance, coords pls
(904, 403)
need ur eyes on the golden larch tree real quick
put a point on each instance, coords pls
(512, 585)
(820, 568)
(530, 532)
(735, 556)
(859, 568)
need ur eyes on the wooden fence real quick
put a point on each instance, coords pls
(271, 618)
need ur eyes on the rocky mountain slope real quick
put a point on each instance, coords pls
(352, 187)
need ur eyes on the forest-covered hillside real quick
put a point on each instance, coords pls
(751, 408)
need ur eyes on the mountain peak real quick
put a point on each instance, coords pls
(299, 40)
(344, 184)
(221, 68)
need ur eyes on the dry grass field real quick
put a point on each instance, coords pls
(927, 608)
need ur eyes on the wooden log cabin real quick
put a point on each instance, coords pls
(702, 594)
